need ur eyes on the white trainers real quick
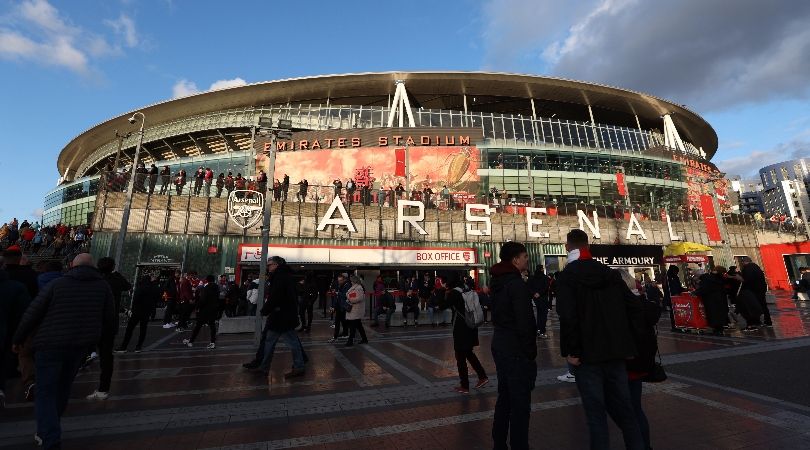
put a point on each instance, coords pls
(98, 395)
(168, 325)
(37, 440)
(567, 378)
(211, 345)
(187, 343)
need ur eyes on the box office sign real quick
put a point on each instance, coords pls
(403, 256)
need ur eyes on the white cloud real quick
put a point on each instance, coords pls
(748, 166)
(697, 52)
(35, 31)
(37, 213)
(124, 26)
(224, 84)
(183, 88)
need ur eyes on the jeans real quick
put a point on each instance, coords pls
(542, 314)
(292, 341)
(388, 313)
(604, 390)
(56, 370)
(142, 323)
(356, 325)
(410, 309)
(183, 314)
(635, 397)
(516, 377)
(340, 319)
(106, 362)
(462, 356)
(305, 314)
(212, 329)
(435, 313)
(171, 310)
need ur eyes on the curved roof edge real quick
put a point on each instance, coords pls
(696, 129)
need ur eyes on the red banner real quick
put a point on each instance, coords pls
(399, 170)
(710, 218)
(620, 184)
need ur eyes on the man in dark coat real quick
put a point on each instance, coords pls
(538, 289)
(465, 339)
(753, 279)
(281, 310)
(712, 293)
(17, 271)
(147, 294)
(118, 285)
(207, 312)
(67, 319)
(14, 300)
(513, 347)
(596, 338)
(24, 274)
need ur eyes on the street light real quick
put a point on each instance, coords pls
(275, 133)
(122, 232)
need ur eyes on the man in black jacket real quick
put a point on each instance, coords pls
(13, 301)
(596, 338)
(146, 295)
(754, 281)
(281, 309)
(118, 285)
(513, 347)
(538, 289)
(67, 319)
(207, 312)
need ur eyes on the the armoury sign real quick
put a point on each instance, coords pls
(245, 208)
(372, 137)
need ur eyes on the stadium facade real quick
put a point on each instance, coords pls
(491, 157)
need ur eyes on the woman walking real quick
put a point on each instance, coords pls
(465, 339)
(356, 299)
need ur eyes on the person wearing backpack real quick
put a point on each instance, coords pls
(465, 337)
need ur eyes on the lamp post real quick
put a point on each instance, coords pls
(121, 138)
(122, 232)
(274, 134)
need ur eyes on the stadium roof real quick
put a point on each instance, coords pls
(487, 92)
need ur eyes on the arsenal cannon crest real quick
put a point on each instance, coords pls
(245, 208)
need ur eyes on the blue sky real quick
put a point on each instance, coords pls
(68, 65)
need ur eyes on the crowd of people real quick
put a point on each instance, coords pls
(53, 240)
(58, 321)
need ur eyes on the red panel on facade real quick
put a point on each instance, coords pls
(710, 218)
(620, 184)
(773, 262)
(399, 170)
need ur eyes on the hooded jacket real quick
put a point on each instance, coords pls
(70, 313)
(281, 307)
(594, 306)
(512, 314)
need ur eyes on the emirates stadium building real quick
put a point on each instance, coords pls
(445, 166)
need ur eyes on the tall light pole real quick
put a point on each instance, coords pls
(121, 138)
(122, 232)
(274, 133)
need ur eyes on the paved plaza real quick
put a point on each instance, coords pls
(738, 391)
